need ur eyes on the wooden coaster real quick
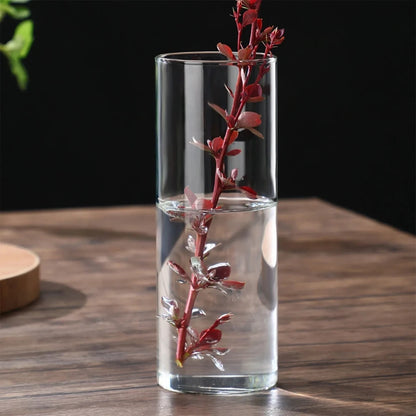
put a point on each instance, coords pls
(19, 277)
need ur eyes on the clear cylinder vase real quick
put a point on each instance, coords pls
(216, 223)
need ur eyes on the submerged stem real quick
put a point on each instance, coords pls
(182, 330)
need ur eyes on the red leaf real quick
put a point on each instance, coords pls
(201, 348)
(253, 90)
(266, 31)
(244, 54)
(229, 90)
(250, 4)
(202, 204)
(223, 319)
(219, 110)
(278, 41)
(254, 4)
(234, 152)
(280, 32)
(248, 119)
(249, 16)
(177, 269)
(254, 93)
(276, 37)
(190, 195)
(233, 284)
(251, 193)
(259, 24)
(222, 270)
(255, 99)
(256, 132)
(216, 144)
(200, 145)
(226, 50)
(222, 177)
(171, 306)
(234, 135)
(210, 336)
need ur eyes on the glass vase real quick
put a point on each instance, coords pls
(216, 223)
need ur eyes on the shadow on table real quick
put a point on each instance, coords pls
(339, 399)
(277, 401)
(56, 300)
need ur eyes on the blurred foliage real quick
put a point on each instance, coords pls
(17, 48)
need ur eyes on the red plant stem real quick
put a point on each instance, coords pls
(200, 244)
(187, 314)
(253, 34)
(237, 13)
(218, 165)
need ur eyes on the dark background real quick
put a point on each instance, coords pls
(83, 134)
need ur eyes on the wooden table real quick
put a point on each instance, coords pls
(87, 346)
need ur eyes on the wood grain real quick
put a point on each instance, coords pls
(19, 277)
(87, 346)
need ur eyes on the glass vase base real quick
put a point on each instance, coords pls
(221, 385)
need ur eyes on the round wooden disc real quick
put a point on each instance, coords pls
(19, 277)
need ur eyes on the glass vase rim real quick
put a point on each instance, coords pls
(193, 59)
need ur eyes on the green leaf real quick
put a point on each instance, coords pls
(17, 12)
(17, 48)
(16, 1)
(19, 71)
(21, 42)
(24, 32)
(3, 9)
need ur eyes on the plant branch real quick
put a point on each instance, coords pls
(243, 92)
